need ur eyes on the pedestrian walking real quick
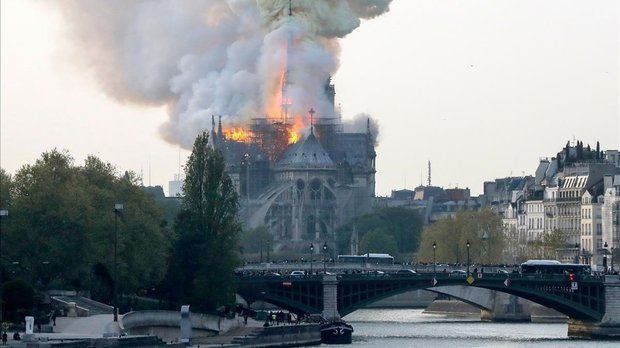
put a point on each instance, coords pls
(5, 338)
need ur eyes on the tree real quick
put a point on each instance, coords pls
(378, 241)
(256, 240)
(205, 253)
(61, 226)
(404, 225)
(17, 295)
(551, 242)
(6, 183)
(513, 246)
(483, 229)
(589, 154)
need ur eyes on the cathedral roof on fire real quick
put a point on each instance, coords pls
(306, 154)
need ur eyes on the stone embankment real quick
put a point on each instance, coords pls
(537, 313)
(452, 307)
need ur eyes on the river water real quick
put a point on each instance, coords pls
(412, 328)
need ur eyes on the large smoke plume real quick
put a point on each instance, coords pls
(205, 57)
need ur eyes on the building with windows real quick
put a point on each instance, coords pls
(535, 219)
(591, 228)
(610, 213)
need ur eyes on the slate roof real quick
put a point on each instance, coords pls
(306, 154)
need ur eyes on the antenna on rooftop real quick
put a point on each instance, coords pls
(429, 173)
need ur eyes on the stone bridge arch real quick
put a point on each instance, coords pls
(305, 295)
(586, 303)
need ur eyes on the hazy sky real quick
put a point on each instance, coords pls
(481, 88)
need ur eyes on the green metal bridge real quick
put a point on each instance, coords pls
(346, 293)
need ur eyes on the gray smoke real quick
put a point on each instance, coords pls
(359, 124)
(205, 57)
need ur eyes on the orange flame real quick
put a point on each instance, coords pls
(293, 137)
(297, 126)
(237, 134)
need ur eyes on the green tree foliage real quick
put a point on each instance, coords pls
(61, 226)
(551, 242)
(6, 183)
(403, 225)
(483, 229)
(378, 241)
(205, 253)
(256, 239)
(17, 299)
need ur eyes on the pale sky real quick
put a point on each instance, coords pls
(481, 88)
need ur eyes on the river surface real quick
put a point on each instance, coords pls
(411, 328)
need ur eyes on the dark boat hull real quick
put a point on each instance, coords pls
(337, 332)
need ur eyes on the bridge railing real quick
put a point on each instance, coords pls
(356, 267)
(424, 275)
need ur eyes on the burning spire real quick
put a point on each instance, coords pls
(286, 102)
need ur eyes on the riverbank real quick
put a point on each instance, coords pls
(538, 313)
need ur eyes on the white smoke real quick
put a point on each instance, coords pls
(205, 57)
(360, 124)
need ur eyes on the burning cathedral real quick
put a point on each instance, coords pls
(300, 178)
(300, 173)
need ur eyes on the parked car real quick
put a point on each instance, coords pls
(458, 273)
(298, 273)
(406, 272)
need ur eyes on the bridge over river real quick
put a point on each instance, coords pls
(591, 302)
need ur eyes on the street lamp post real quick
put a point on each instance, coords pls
(311, 252)
(577, 253)
(3, 215)
(468, 245)
(118, 208)
(324, 255)
(434, 260)
(584, 256)
(612, 259)
(605, 257)
(485, 247)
